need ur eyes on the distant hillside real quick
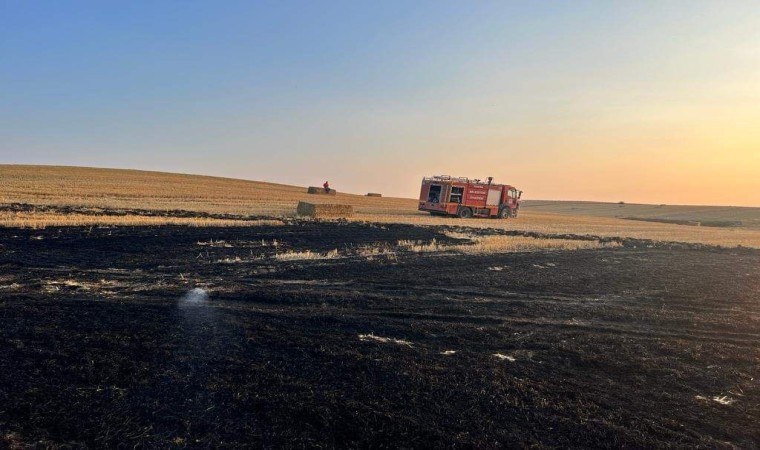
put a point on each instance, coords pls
(120, 188)
(73, 196)
(706, 215)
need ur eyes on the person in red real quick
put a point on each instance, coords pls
(326, 186)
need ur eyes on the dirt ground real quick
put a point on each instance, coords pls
(197, 337)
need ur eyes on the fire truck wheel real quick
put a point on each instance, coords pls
(505, 213)
(465, 213)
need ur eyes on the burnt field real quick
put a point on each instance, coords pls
(327, 334)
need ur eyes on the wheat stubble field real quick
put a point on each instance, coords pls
(141, 309)
(111, 196)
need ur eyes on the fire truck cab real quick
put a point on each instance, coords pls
(444, 195)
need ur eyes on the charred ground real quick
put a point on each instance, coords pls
(643, 345)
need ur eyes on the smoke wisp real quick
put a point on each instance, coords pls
(195, 296)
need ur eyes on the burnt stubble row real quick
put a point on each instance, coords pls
(101, 345)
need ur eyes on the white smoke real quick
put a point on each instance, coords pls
(195, 296)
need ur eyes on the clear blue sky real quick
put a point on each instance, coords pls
(577, 100)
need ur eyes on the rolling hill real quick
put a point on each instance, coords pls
(119, 193)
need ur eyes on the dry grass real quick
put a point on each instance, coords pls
(490, 244)
(584, 225)
(749, 217)
(118, 188)
(370, 251)
(306, 255)
(113, 188)
(502, 244)
(42, 220)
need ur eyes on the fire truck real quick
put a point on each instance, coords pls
(443, 195)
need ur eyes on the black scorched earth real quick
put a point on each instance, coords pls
(232, 337)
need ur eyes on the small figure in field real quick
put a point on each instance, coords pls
(326, 186)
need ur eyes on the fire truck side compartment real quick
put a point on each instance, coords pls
(445, 195)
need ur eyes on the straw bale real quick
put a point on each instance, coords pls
(321, 191)
(324, 210)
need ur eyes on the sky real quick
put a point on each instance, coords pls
(636, 101)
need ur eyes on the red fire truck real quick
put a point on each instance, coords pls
(444, 195)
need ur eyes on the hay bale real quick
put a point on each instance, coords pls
(324, 210)
(374, 194)
(321, 191)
